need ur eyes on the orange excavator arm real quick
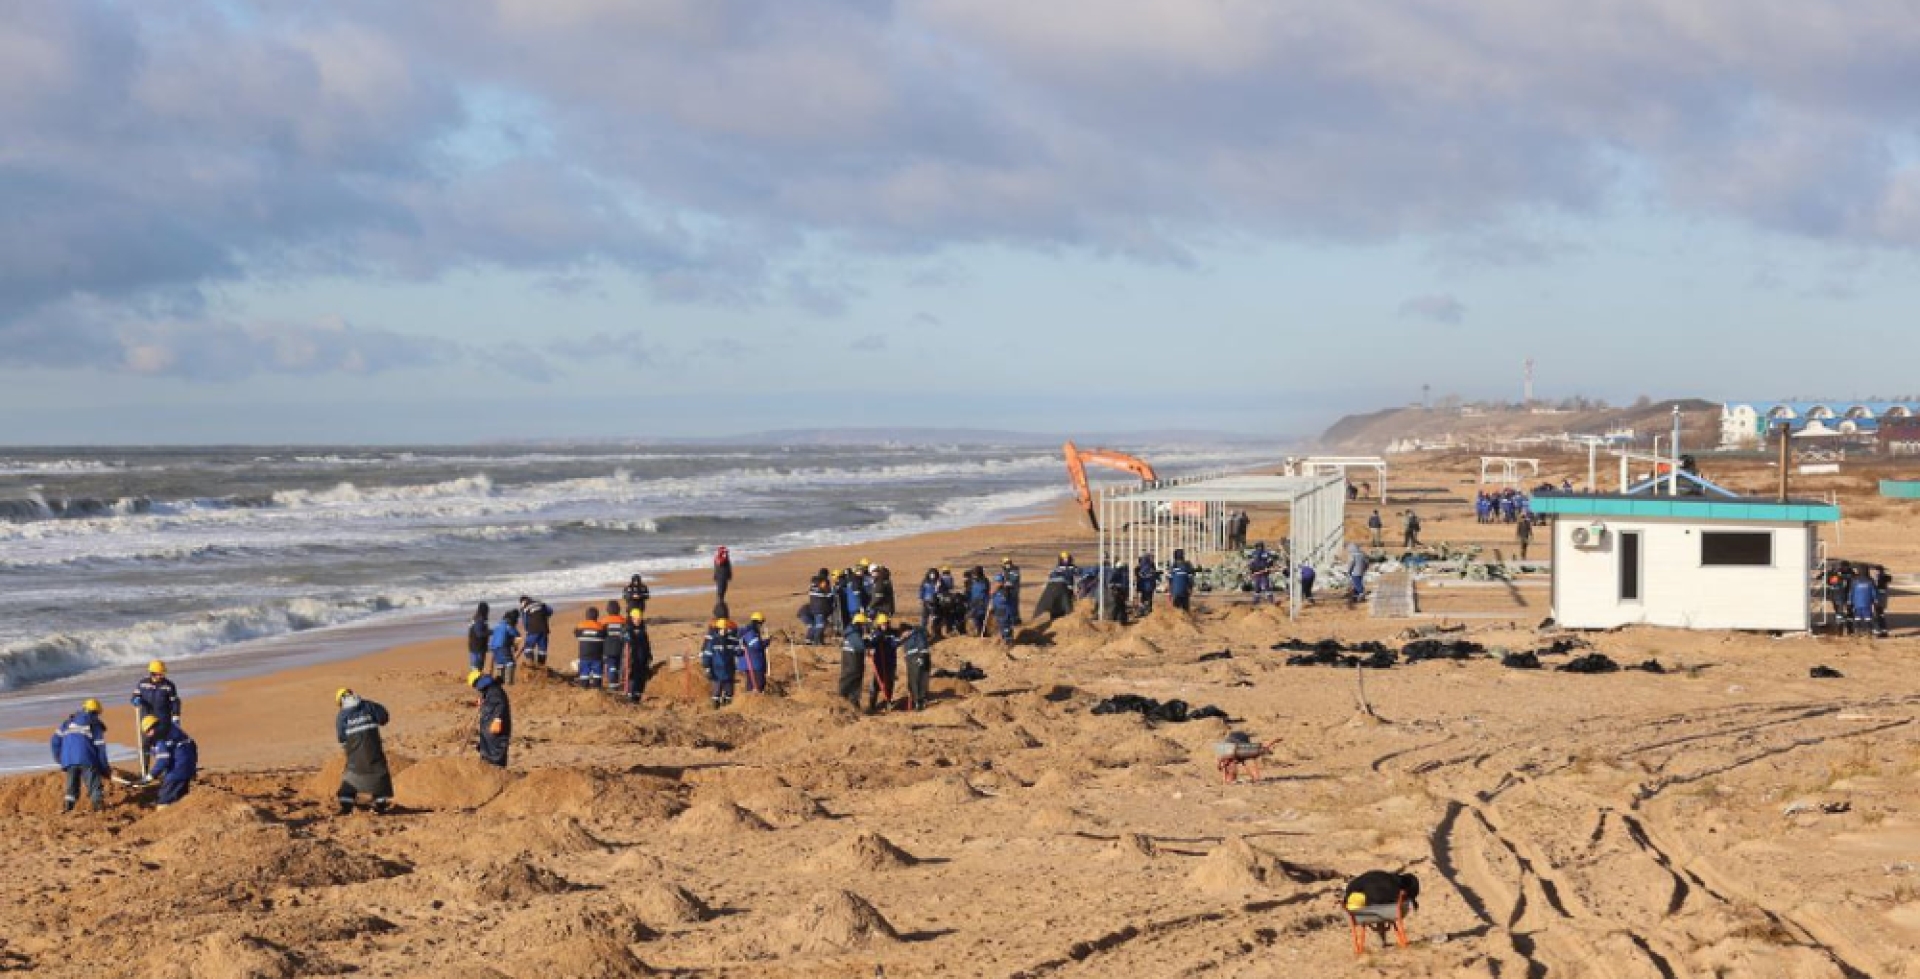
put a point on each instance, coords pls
(1077, 459)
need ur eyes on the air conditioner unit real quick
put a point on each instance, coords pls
(1590, 536)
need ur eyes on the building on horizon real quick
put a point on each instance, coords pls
(1745, 424)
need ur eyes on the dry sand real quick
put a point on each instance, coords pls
(1622, 825)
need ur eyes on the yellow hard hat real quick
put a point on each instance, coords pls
(859, 618)
(157, 668)
(1064, 556)
(881, 619)
(1356, 901)
(636, 615)
(863, 562)
(756, 617)
(341, 694)
(147, 724)
(91, 706)
(721, 623)
(473, 676)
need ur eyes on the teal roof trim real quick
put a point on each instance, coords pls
(1688, 508)
(1900, 489)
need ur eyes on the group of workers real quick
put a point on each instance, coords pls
(169, 756)
(1858, 595)
(1508, 505)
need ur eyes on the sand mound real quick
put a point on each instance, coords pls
(1132, 646)
(300, 927)
(660, 905)
(1145, 748)
(863, 851)
(35, 795)
(324, 785)
(222, 955)
(638, 863)
(716, 818)
(549, 791)
(514, 878)
(449, 782)
(233, 862)
(543, 836)
(206, 806)
(784, 806)
(945, 790)
(832, 921)
(1239, 867)
(571, 941)
(1167, 622)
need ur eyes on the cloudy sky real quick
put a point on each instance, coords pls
(264, 220)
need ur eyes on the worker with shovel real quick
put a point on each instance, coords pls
(80, 749)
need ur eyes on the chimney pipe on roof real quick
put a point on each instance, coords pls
(1786, 434)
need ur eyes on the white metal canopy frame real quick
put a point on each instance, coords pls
(1192, 515)
(1509, 468)
(1316, 465)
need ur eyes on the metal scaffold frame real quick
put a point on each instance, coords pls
(1191, 514)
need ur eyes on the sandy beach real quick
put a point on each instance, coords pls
(1728, 816)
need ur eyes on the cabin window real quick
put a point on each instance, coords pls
(1630, 567)
(1731, 549)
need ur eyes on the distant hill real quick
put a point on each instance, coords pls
(1375, 431)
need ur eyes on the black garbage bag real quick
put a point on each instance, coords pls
(1651, 666)
(1825, 673)
(1316, 658)
(1380, 659)
(1210, 657)
(1521, 661)
(1173, 711)
(1371, 646)
(1451, 649)
(1560, 647)
(1590, 663)
(967, 671)
(1292, 646)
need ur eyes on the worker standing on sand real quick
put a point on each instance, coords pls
(1011, 572)
(722, 574)
(753, 656)
(637, 593)
(853, 660)
(1375, 526)
(1356, 573)
(1864, 595)
(176, 759)
(504, 643)
(357, 728)
(479, 633)
(718, 655)
(1882, 590)
(496, 718)
(1056, 599)
(592, 642)
(155, 697)
(883, 649)
(1306, 583)
(80, 749)
(979, 590)
(613, 647)
(537, 616)
(1260, 567)
(1146, 581)
(1180, 582)
(1523, 531)
(819, 607)
(1003, 610)
(929, 598)
(919, 655)
(1411, 538)
(883, 599)
(639, 655)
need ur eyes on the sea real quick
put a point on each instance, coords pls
(112, 557)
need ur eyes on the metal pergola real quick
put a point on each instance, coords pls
(1192, 514)
(1317, 465)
